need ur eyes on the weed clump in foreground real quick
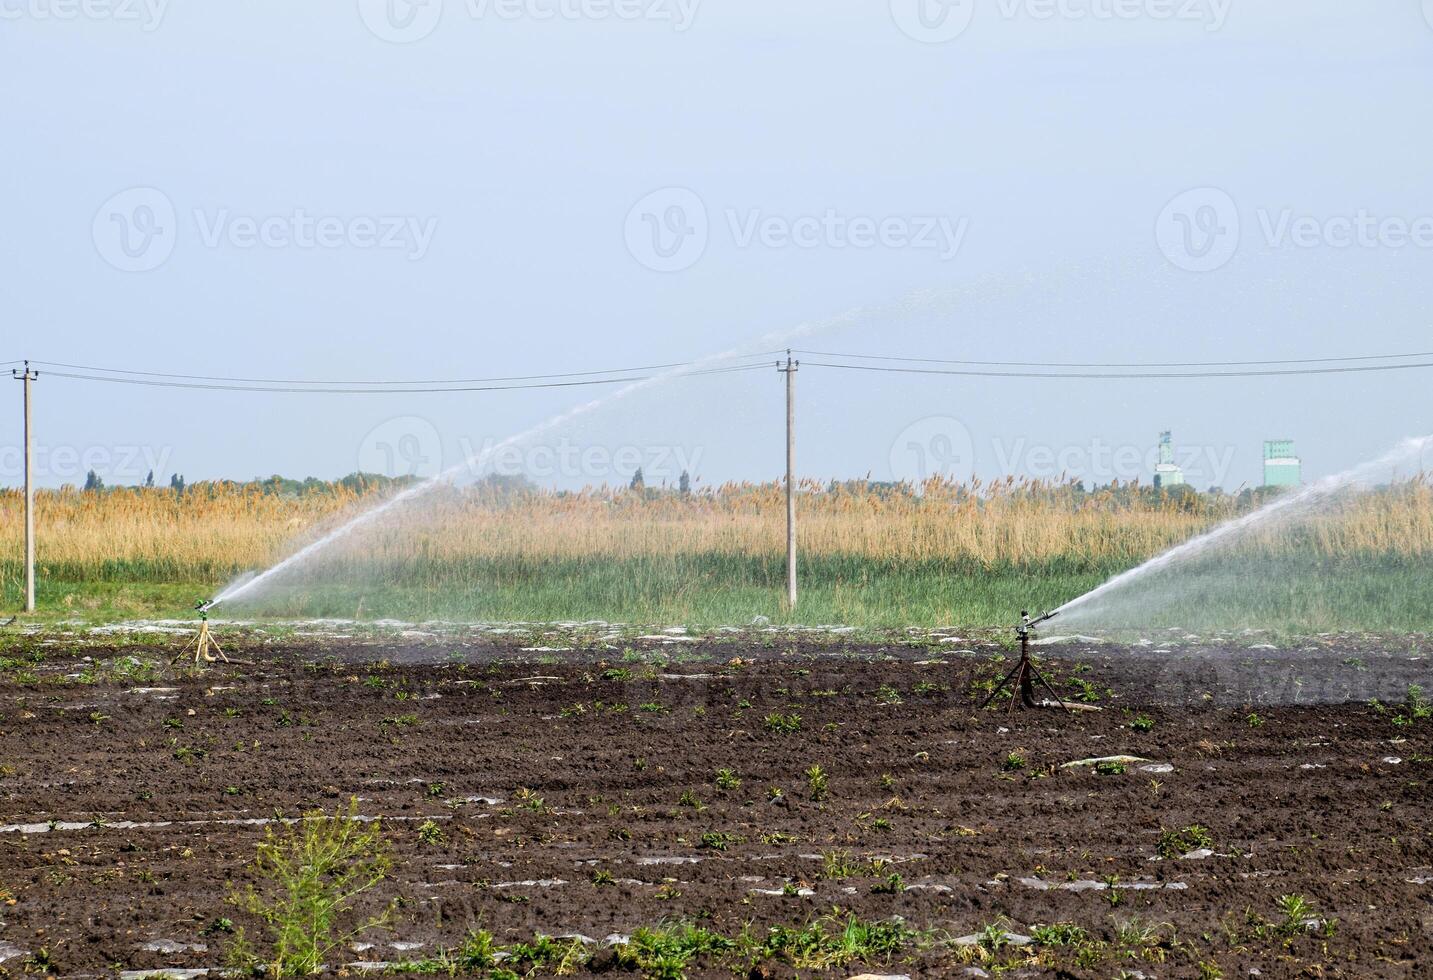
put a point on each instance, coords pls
(831, 942)
(669, 950)
(1177, 843)
(1415, 708)
(312, 874)
(782, 724)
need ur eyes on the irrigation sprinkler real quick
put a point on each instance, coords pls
(203, 641)
(1024, 674)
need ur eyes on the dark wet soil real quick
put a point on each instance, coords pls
(570, 793)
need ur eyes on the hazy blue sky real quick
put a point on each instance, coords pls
(491, 174)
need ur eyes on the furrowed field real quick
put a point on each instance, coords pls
(871, 555)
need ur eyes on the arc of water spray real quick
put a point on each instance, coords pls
(476, 462)
(1311, 494)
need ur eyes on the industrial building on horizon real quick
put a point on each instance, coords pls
(1167, 472)
(1281, 467)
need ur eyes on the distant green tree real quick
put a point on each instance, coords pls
(176, 483)
(506, 487)
(93, 483)
(637, 481)
(149, 480)
(684, 484)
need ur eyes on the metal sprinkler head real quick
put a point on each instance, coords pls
(203, 646)
(1023, 676)
(1026, 622)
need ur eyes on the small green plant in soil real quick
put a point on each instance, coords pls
(779, 837)
(838, 866)
(476, 952)
(1111, 767)
(726, 780)
(667, 952)
(41, 961)
(993, 937)
(816, 782)
(892, 884)
(1415, 708)
(1059, 934)
(886, 694)
(527, 799)
(830, 942)
(782, 724)
(1142, 723)
(1143, 940)
(544, 954)
(1177, 843)
(1299, 913)
(311, 876)
(430, 834)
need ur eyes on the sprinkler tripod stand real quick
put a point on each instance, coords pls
(1024, 674)
(203, 641)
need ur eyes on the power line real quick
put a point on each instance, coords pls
(325, 385)
(1124, 375)
(1119, 364)
(1061, 369)
(207, 386)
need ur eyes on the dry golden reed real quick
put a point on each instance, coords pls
(215, 529)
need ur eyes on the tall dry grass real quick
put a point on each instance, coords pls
(213, 530)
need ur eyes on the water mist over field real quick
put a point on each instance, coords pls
(403, 506)
(1356, 540)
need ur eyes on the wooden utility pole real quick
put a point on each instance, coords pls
(27, 376)
(789, 369)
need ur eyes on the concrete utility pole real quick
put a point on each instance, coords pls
(27, 376)
(789, 369)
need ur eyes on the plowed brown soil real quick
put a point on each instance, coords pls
(545, 772)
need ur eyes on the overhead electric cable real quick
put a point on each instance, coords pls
(207, 386)
(1125, 375)
(1118, 364)
(395, 384)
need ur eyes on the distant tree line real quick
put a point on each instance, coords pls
(276, 485)
(509, 487)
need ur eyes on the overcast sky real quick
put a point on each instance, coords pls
(473, 188)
